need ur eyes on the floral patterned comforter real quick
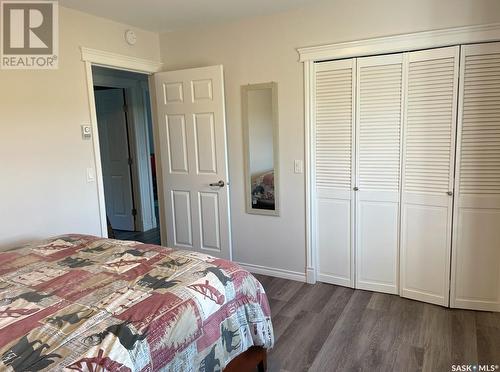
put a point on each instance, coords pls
(82, 303)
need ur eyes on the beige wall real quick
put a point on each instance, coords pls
(43, 187)
(262, 50)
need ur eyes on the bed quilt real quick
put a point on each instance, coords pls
(82, 303)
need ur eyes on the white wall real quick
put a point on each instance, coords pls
(43, 160)
(262, 50)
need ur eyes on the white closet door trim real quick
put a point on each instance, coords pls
(477, 200)
(309, 140)
(402, 42)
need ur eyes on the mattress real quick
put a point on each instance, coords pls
(84, 303)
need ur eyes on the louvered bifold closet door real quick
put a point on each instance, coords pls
(333, 153)
(378, 157)
(428, 160)
(476, 237)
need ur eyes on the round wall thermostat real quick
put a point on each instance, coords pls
(130, 37)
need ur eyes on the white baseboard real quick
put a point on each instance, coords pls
(271, 271)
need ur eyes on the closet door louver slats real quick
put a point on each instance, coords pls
(480, 137)
(334, 128)
(378, 125)
(334, 102)
(429, 125)
(476, 238)
(427, 179)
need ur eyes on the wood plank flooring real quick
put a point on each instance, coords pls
(323, 327)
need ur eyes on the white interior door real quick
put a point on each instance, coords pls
(378, 156)
(113, 143)
(333, 143)
(192, 137)
(476, 238)
(428, 160)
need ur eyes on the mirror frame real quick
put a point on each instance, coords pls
(246, 148)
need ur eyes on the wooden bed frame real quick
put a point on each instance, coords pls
(254, 359)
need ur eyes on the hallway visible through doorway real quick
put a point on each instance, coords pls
(127, 154)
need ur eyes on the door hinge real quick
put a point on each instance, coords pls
(130, 161)
(134, 212)
(125, 108)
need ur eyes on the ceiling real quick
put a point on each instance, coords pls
(170, 15)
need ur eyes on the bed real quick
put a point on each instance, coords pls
(83, 303)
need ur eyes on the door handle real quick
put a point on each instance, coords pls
(218, 184)
(450, 193)
(355, 188)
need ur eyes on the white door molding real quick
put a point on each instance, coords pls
(93, 57)
(119, 61)
(382, 45)
(402, 42)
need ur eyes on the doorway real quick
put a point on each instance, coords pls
(190, 149)
(127, 150)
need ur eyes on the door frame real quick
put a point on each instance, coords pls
(137, 132)
(93, 57)
(360, 48)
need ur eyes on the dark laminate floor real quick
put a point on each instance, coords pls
(149, 237)
(324, 327)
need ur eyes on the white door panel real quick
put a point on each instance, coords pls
(477, 270)
(377, 244)
(334, 215)
(181, 218)
(192, 129)
(209, 222)
(113, 142)
(476, 238)
(425, 258)
(378, 157)
(428, 159)
(333, 141)
(177, 144)
(206, 157)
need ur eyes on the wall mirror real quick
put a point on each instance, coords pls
(260, 131)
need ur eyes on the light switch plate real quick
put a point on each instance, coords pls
(86, 131)
(298, 166)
